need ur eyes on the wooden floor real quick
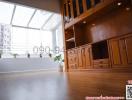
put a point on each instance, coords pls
(62, 86)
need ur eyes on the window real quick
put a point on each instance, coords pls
(22, 28)
(39, 19)
(18, 40)
(6, 17)
(22, 15)
(54, 22)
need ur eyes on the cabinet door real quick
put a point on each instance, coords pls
(83, 58)
(75, 59)
(115, 52)
(128, 43)
(80, 62)
(123, 51)
(72, 59)
(69, 62)
(88, 57)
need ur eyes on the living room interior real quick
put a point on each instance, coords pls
(65, 49)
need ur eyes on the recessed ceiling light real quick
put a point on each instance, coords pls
(127, 8)
(84, 22)
(93, 24)
(119, 3)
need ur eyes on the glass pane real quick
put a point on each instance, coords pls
(6, 11)
(19, 40)
(39, 19)
(38, 38)
(22, 15)
(59, 37)
(53, 22)
(46, 42)
(34, 40)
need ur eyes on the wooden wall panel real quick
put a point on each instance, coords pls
(110, 25)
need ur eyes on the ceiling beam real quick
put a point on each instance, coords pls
(31, 17)
(13, 13)
(25, 27)
(29, 28)
(47, 21)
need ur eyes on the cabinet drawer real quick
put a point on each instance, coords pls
(101, 61)
(101, 66)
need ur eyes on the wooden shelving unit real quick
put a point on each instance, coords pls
(85, 50)
(91, 10)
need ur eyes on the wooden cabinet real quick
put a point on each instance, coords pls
(121, 51)
(101, 63)
(88, 57)
(72, 59)
(80, 58)
(118, 51)
(128, 44)
(94, 43)
(84, 57)
(100, 54)
(115, 52)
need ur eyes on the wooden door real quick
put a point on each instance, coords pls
(128, 43)
(88, 57)
(115, 52)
